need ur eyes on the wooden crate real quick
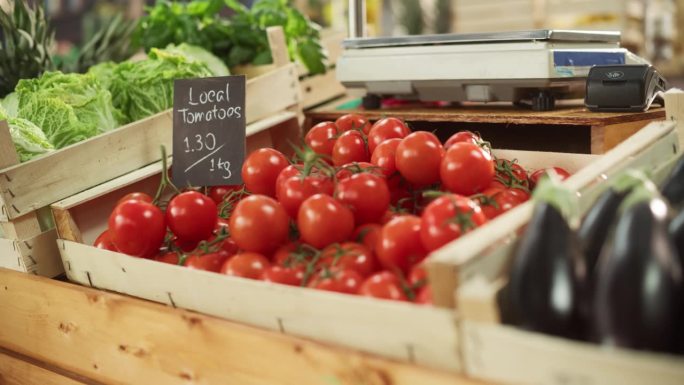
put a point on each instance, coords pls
(27, 187)
(418, 334)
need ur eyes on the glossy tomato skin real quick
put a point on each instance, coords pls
(104, 242)
(338, 280)
(447, 218)
(245, 265)
(366, 194)
(208, 262)
(349, 256)
(292, 276)
(511, 174)
(350, 147)
(136, 196)
(384, 285)
(192, 216)
(321, 138)
(462, 137)
(535, 176)
(466, 169)
(424, 296)
(349, 169)
(384, 129)
(259, 224)
(367, 235)
(287, 173)
(219, 193)
(353, 122)
(322, 220)
(399, 245)
(137, 228)
(418, 276)
(418, 158)
(260, 170)
(384, 156)
(496, 201)
(292, 192)
(170, 257)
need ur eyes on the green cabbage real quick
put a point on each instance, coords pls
(195, 53)
(3, 113)
(144, 88)
(103, 72)
(28, 139)
(10, 104)
(67, 107)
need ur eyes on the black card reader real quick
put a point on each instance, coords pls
(624, 87)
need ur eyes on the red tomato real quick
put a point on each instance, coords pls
(535, 176)
(399, 245)
(520, 194)
(418, 276)
(367, 235)
(462, 137)
(349, 256)
(246, 265)
(385, 285)
(424, 296)
(296, 189)
(352, 168)
(259, 224)
(137, 228)
(229, 246)
(466, 169)
(219, 193)
(221, 223)
(192, 216)
(447, 218)
(104, 241)
(418, 158)
(353, 122)
(208, 262)
(260, 170)
(495, 201)
(322, 221)
(321, 138)
(366, 195)
(338, 280)
(511, 174)
(185, 246)
(384, 129)
(384, 156)
(136, 196)
(350, 147)
(170, 257)
(292, 276)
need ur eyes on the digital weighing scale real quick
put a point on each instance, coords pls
(533, 68)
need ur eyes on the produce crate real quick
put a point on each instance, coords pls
(27, 187)
(419, 334)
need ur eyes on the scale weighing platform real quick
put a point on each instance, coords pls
(532, 68)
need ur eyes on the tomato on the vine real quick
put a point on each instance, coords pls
(367, 235)
(192, 216)
(384, 129)
(137, 228)
(349, 256)
(339, 280)
(462, 137)
(136, 196)
(495, 201)
(353, 122)
(350, 147)
(349, 169)
(418, 158)
(424, 295)
(466, 169)
(322, 220)
(447, 218)
(219, 193)
(292, 276)
(104, 241)
(385, 285)
(246, 265)
(366, 195)
(418, 277)
(537, 175)
(259, 224)
(321, 138)
(511, 174)
(208, 262)
(293, 191)
(260, 170)
(399, 245)
(384, 156)
(170, 257)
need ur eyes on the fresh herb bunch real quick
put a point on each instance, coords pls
(240, 39)
(25, 45)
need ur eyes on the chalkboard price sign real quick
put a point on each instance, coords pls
(208, 131)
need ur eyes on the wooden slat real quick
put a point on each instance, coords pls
(115, 339)
(15, 371)
(8, 154)
(321, 88)
(605, 138)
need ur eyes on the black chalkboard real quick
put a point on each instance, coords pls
(208, 131)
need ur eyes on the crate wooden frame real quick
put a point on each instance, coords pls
(30, 186)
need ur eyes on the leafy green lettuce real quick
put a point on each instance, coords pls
(67, 107)
(28, 139)
(145, 87)
(195, 53)
(10, 104)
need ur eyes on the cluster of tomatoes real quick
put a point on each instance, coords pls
(356, 211)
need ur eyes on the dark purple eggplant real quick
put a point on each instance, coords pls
(673, 188)
(597, 224)
(639, 289)
(677, 234)
(546, 278)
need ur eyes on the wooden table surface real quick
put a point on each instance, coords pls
(54, 332)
